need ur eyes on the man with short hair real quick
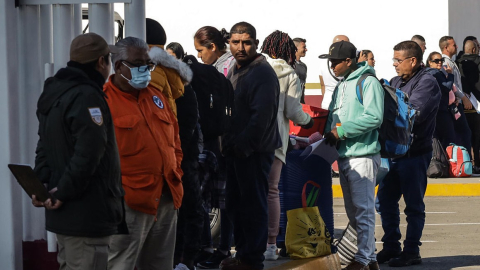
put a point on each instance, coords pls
(249, 148)
(420, 41)
(150, 153)
(408, 174)
(300, 67)
(463, 133)
(469, 66)
(327, 80)
(353, 126)
(77, 157)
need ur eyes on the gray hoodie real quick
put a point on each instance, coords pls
(222, 61)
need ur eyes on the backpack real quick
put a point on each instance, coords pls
(439, 165)
(215, 100)
(395, 133)
(460, 163)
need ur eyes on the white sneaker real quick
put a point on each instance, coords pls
(182, 266)
(271, 254)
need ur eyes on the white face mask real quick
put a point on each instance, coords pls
(141, 76)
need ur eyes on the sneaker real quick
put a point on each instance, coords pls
(373, 266)
(405, 259)
(385, 255)
(271, 254)
(356, 266)
(202, 256)
(213, 262)
(182, 266)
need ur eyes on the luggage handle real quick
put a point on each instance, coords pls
(304, 197)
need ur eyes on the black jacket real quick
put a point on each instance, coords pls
(469, 66)
(424, 95)
(254, 124)
(77, 154)
(445, 82)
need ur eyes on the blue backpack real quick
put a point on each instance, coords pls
(395, 133)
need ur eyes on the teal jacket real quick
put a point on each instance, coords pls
(359, 123)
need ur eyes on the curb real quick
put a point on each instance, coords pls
(434, 190)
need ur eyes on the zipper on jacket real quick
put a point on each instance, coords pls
(211, 101)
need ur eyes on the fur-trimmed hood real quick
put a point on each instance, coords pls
(161, 57)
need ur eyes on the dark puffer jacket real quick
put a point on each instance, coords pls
(77, 154)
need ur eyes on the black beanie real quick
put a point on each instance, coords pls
(155, 33)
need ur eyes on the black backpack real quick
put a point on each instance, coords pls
(215, 99)
(439, 164)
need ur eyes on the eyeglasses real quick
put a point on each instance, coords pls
(149, 66)
(438, 61)
(396, 61)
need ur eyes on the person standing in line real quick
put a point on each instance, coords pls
(367, 55)
(249, 147)
(300, 67)
(77, 158)
(353, 126)
(469, 66)
(408, 174)
(420, 41)
(213, 50)
(279, 50)
(150, 153)
(462, 130)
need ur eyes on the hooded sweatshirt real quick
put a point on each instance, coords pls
(225, 63)
(359, 123)
(289, 107)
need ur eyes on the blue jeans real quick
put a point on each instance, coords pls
(407, 177)
(246, 202)
(357, 178)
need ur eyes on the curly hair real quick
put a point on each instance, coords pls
(279, 45)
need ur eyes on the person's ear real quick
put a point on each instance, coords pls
(256, 43)
(414, 61)
(117, 67)
(349, 62)
(214, 47)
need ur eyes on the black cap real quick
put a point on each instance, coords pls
(341, 50)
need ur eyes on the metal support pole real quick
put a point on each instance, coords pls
(135, 25)
(100, 17)
(77, 20)
(63, 32)
(46, 28)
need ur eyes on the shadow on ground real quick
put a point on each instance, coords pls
(460, 262)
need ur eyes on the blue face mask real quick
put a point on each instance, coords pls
(140, 80)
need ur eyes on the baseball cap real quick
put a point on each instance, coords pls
(89, 47)
(341, 50)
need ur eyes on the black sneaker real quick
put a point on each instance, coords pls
(202, 256)
(405, 259)
(214, 261)
(385, 255)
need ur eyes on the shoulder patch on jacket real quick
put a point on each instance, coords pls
(96, 115)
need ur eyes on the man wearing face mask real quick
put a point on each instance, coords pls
(150, 156)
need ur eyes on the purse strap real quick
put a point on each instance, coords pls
(312, 195)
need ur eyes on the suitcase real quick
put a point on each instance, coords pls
(319, 120)
(295, 173)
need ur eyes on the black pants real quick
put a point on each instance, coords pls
(463, 134)
(246, 202)
(445, 128)
(473, 120)
(191, 215)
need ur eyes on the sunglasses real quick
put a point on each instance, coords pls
(438, 61)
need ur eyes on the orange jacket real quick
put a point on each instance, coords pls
(149, 146)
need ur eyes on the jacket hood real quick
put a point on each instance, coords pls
(362, 68)
(54, 87)
(161, 57)
(281, 67)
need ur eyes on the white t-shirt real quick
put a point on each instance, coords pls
(329, 82)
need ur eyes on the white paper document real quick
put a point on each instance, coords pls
(323, 150)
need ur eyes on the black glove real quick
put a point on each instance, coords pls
(309, 124)
(330, 139)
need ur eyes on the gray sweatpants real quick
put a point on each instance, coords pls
(357, 178)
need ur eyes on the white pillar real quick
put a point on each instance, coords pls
(10, 205)
(46, 28)
(62, 34)
(77, 20)
(100, 17)
(31, 77)
(135, 25)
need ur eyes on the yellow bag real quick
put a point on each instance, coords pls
(307, 236)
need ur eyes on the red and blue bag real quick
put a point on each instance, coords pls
(459, 159)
